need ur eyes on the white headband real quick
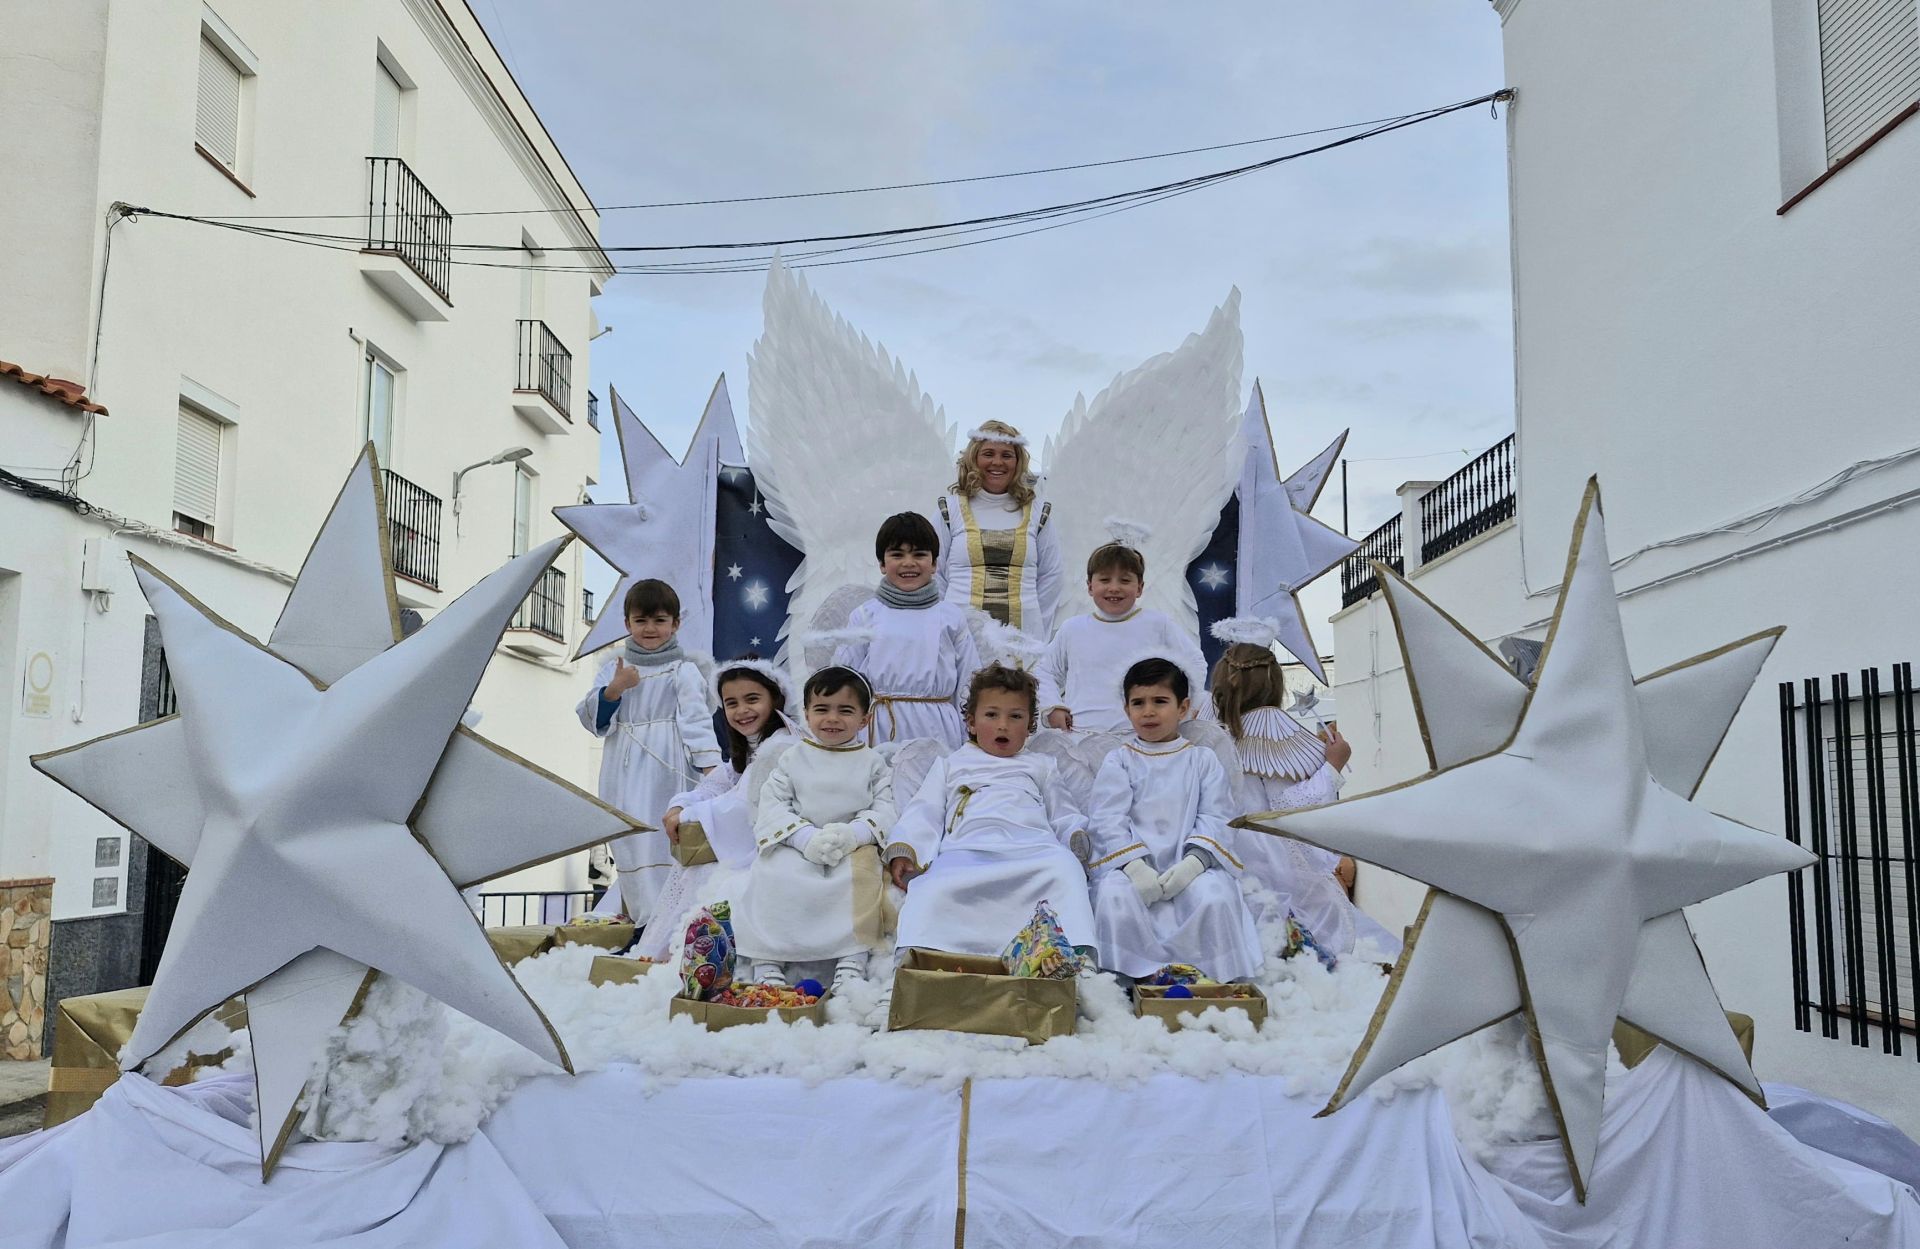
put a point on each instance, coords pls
(770, 671)
(1261, 631)
(993, 435)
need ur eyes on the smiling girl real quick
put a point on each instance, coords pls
(1002, 558)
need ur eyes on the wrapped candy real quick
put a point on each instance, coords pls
(765, 996)
(1177, 973)
(1300, 937)
(1041, 950)
(706, 964)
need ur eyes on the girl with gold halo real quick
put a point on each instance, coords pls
(1001, 556)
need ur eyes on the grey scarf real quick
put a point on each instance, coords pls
(908, 600)
(670, 653)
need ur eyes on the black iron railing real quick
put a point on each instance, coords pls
(545, 610)
(593, 409)
(404, 220)
(545, 366)
(586, 605)
(1469, 503)
(1851, 765)
(413, 530)
(1357, 579)
(501, 910)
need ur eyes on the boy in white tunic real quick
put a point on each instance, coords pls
(916, 648)
(816, 892)
(650, 703)
(1166, 887)
(1080, 676)
(986, 839)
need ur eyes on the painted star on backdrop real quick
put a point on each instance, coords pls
(1558, 834)
(1213, 576)
(666, 529)
(1283, 549)
(757, 595)
(756, 507)
(734, 572)
(486, 812)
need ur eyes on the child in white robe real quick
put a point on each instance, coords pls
(753, 696)
(1080, 676)
(816, 892)
(915, 647)
(986, 839)
(650, 702)
(1166, 886)
(1285, 765)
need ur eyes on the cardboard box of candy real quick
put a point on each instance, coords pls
(88, 1033)
(613, 969)
(693, 849)
(713, 1016)
(974, 993)
(523, 941)
(1151, 1001)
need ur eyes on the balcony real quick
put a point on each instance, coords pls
(1469, 503)
(409, 251)
(540, 626)
(543, 379)
(1357, 578)
(413, 531)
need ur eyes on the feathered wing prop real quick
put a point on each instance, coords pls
(1165, 433)
(827, 405)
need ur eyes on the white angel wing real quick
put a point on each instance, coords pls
(826, 631)
(1160, 446)
(760, 767)
(911, 760)
(1214, 736)
(840, 436)
(1076, 765)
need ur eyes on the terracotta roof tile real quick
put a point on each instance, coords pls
(73, 394)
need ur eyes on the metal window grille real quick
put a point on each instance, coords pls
(1357, 579)
(586, 605)
(593, 409)
(413, 530)
(545, 609)
(1851, 764)
(502, 910)
(1469, 503)
(405, 220)
(545, 366)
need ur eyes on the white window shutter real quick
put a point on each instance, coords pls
(386, 112)
(217, 125)
(1869, 66)
(196, 466)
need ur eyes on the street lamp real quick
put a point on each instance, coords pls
(509, 456)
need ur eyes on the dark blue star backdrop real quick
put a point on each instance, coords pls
(1213, 576)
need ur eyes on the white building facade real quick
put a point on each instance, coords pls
(1717, 294)
(242, 374)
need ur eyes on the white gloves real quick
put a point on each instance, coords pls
(1180, 875)
(1145, 881)
(828, 845)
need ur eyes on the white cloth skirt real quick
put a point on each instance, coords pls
(796, 911)
(973, 902)
(1207, 924)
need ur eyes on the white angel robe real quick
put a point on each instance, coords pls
(1284, 767)
(1002, 559)
(919, 661)
(660, 736)
(795, 911)
(1157, 801)
(992, 835)
(1084, 667)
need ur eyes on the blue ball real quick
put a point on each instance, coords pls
(810, 987)
(1179, 990)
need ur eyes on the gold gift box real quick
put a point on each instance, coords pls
(693, 849)
(1634, 1045)
(613, 969)
(713, 1016)
(1150, 1001)
(523, 941)
(974, 993)
(88, 1033)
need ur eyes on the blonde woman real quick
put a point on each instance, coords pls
(1001, 556)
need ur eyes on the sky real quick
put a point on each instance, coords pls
(1374, 278)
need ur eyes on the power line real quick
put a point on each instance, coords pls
(867, 190)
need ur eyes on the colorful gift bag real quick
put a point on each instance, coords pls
(706, 964)
(1041, 951)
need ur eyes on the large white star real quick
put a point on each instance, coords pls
(757, 595)
(666, 528)
(1558, 833)
(1213, 576)
(1283, 549)
(278, 784)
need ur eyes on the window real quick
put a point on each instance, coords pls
(1869, 67)
(220, 116)
(522, 509)
(376, 407)
(196, 473)
(386, 111)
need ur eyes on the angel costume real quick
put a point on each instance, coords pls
(1090, 655)
(657, 734)
(1158, 802)
(1284, 766)
(1002, 559)
(991, 835)
(919, 656)
(798, 910)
